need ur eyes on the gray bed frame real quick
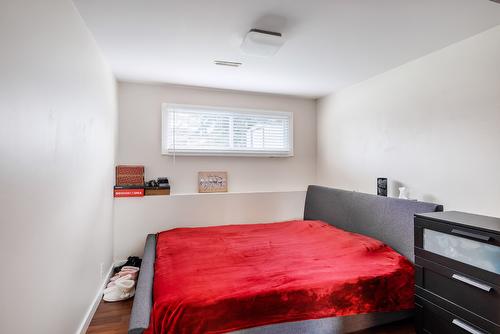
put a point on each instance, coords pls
(387, 219)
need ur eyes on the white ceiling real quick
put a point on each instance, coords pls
(329, 43)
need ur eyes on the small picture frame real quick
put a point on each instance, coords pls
(212, 182)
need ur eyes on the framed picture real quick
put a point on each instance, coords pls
(212, 182)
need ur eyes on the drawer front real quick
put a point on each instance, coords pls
(472, 252)
(436, 320)
(475, 253)
(475, 295)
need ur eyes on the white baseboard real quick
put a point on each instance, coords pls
(82, 329)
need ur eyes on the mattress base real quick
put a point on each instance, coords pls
(331, 325)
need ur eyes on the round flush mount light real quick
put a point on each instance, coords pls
(262, 43)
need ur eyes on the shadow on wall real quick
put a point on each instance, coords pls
(394, 188)
(429, 198)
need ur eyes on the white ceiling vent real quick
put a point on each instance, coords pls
(227, 63)
(262, 43)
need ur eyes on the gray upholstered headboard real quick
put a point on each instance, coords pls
(389, 220)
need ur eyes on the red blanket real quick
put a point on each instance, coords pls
(223, 278)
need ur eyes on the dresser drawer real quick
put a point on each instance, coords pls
(475, 253)
(475, 295)
(433, 319)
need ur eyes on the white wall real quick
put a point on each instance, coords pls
(57, 139)
(136, 217)
(432, 125)
(140, 139)
(260, 189)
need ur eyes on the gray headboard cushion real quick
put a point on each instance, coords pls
(389, 220)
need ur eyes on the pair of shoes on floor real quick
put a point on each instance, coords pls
(123, 289)
(122, 285)
(133, 272)
(132, 261)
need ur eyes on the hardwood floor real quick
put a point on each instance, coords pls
(112, 318)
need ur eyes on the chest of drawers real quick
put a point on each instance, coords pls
(457, 273)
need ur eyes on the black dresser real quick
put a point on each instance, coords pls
(457, 273)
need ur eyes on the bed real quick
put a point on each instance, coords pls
(339, 270)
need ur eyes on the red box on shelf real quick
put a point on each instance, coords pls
(127, 175)
(130, 180)
(129, 170)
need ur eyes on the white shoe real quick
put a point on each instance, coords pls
(123, 278)
(122, 290)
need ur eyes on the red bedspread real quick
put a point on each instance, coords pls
(223, 278)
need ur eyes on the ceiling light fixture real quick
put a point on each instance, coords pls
(262, 43)
(227, 63)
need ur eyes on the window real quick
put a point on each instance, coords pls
(197, 130)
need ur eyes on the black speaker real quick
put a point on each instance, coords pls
(382, 186)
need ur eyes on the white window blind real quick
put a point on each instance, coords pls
(198, 130)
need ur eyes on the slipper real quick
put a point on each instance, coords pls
(123, 278)
(123, 290)
(134, 271)
(122, 274)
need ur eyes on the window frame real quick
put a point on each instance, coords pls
(166, 107)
